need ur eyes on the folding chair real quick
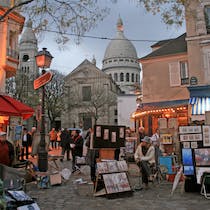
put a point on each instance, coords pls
(205, 185)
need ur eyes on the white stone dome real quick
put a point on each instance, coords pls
(28, 35)
(120, 46)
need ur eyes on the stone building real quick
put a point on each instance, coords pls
(121, 61)
(90, 97)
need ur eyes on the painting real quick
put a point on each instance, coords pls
(106, 134)
(206, 136)
(117, 182)
(98, 131)
(114, 137)
(122, 133)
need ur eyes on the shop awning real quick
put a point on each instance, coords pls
(199, 105)
(162, 106)
(12, 107)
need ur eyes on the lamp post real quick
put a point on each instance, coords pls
(43, 60)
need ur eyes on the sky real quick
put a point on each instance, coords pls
(138, 25)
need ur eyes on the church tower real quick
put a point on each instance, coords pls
(27, 71)
(121, 62)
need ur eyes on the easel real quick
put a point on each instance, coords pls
(114, 176)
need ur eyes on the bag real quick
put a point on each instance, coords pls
(55, 179)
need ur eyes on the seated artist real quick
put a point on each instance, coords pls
(145, 158)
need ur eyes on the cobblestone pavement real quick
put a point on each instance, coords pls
(71, 196)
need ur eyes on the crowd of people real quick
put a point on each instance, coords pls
(71, 145)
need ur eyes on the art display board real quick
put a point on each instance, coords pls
(116, 182)
(109, 136)
(195, 144)
(114, 177)
(112, 167)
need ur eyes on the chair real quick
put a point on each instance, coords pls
(205, 185)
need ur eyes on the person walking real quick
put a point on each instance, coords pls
(59, 138)
(65, 143)
(77, 148)
(6, 150)
(53, 138)
(26, 142)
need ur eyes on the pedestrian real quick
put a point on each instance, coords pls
(92, 154)
(141, 133)
(53, 138)
(35, 135)
(145, 159)
(77, 148)
(65, 143)
(59, 138)
(6, 150)
(26, 142)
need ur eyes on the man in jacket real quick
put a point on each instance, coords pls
(145, 158)
(26, 142)
(77, 147)
(6, 150)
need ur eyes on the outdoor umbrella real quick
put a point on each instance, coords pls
(12, 107)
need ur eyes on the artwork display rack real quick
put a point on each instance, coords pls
(112, 175)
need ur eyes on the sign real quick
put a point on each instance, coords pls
(193, 81)
(42, 80)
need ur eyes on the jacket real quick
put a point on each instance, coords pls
(149, 156)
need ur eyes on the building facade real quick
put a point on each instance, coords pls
(90, 98)
(10, 28)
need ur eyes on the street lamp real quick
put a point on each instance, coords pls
(43, 60)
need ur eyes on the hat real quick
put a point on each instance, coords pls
(146, 139)
(2, 133)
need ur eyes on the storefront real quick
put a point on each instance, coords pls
(167, 116)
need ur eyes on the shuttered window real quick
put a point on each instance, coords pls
(174, 74)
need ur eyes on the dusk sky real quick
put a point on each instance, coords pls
(138, 25)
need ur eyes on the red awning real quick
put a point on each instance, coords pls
(11, 107)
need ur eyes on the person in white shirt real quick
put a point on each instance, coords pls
(145, 158)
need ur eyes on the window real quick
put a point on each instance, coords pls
(86, 93)
(115, 112)
(132, 77)
(127, 77)
(174, 74)
(184, 73)
(115, 77)
(137, 78)
(121, 77)
(207, 18)
(25, 58)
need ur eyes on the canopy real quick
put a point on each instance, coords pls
(11, 107)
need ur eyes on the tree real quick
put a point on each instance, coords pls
(54, 96)
(172, 11)
(61, 16)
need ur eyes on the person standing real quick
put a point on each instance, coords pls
(145, 158)
(26, 142)
(141, 133)
(6, 150)
(77, 147)
(53, 138)
(65, 144)
(59, 138)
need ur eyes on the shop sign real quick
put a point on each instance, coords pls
(193, 81)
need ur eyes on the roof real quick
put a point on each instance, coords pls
(175, 46)
(161, 43)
